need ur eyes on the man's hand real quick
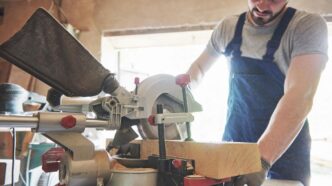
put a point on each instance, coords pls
(253, 179)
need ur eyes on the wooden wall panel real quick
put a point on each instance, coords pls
(78, 13)
(4, 71)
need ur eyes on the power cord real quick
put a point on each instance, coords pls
(23, 180)
(13, 155)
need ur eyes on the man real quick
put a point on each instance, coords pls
(276, 56)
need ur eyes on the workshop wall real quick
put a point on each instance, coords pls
(130, 14)
(78, 13)
(15, 15)
(93, 17)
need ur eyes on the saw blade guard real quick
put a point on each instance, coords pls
(162, 89)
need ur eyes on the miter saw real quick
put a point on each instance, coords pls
(160, 107)
(46, 50)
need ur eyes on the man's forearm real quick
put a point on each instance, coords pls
(200, 66)
(285, 124)
(287, 120)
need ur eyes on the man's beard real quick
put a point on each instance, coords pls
(261, 21)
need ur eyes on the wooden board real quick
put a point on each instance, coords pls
(214, 160)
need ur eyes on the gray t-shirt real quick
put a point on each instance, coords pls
(306, 34)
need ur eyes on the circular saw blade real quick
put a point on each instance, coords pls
(172, 130)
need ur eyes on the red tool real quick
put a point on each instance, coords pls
(51, 159)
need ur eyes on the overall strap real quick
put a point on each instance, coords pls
(235, 45)
(275, 41)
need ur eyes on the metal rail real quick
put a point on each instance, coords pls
(7, 121)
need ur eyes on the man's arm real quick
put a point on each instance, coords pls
(200, 66)
(287, 120)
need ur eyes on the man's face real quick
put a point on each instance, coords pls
(263, 12)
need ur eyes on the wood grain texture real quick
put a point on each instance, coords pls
(214, 160)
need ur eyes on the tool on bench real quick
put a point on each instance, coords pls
(171, 170)
(46, 50)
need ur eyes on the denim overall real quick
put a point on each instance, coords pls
(256, 86)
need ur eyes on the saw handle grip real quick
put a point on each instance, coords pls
(182, 80)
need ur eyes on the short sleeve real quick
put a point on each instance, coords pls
(214, 46)
(310, 36)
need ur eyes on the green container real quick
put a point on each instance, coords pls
(37, 150)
